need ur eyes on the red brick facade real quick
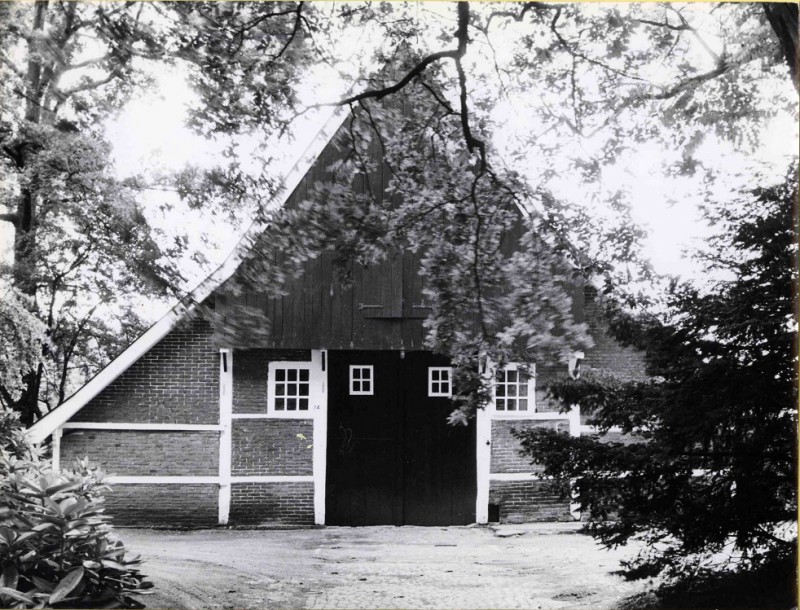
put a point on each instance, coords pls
(177, 381)
(272, 447)
(144, 453)
(528, 501)
(168, 505)
(262, 503)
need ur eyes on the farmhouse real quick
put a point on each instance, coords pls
(338, 417)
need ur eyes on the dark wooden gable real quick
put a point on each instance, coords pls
(383, 308)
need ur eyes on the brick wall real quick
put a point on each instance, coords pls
(505, 448)
(163, 505)
(177, 381)
(250, 369)
(607, 354)
(528, 501)
(283, 503)
(271, 447)
(144, 453)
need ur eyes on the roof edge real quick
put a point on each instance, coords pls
(147, 340)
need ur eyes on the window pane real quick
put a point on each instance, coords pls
(280, 375)
(366, 386)
(500, 390)
(512, 390)
(291, 404)
(280, 389)
(500, 404)
(356, 386)
(523, 377)
(304, 404)
(279, 404)
(435, 388)
(511, 405)
(292, 374)
(523, 404)
(303, 389)
(303, 374)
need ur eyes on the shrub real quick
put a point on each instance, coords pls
(57, 548)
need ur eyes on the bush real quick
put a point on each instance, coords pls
(57, 548)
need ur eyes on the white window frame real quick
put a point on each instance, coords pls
(286, 365)
(371, 380)
(531, 413)
(431, 381)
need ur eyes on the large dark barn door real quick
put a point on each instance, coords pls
(392, 458)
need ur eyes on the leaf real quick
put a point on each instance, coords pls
(14, 594)
(42, 584)
(9, 577)
(67, 584)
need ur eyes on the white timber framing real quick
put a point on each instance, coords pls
(56, 450)
(319, 402)
(139, 426)
(225, 440)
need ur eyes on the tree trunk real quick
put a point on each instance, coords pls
(784, 21)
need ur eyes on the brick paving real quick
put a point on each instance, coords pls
(531, 566)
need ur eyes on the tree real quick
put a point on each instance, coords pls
(713, 465)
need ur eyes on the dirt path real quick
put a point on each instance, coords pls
(548, 566)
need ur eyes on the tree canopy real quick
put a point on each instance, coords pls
(710, 465)
(595, 83)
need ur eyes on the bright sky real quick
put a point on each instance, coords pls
(150, 132)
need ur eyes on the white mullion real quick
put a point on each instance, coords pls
(225, 442)
(319, 405)
(483, 453)
(56, 450)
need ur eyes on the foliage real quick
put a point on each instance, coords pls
(714, 470)
(21, 337)
(57, 548)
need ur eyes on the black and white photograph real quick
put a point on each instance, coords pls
(385, 305)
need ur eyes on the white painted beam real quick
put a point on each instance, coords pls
(139, 426)
(319, 400)
(225, 440)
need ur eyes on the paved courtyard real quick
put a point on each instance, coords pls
(536, 566)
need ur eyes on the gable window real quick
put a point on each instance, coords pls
(289, 389)
(514, 390)
(439, 381)
(362, 382)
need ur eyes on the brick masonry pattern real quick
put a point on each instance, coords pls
(177, 381)
(271, 447)
(505, 448)
(528, 501)
(282, 503)
(250, 368)
(124, 452)
(163, 505)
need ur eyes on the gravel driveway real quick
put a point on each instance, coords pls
(535, 566)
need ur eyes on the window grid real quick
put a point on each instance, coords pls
(362, 382)
(512, 391)
(289, 389)
(439, 381)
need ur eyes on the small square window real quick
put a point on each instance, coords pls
(514, 391)
(439, 381)
(289, 389)
(361, 380)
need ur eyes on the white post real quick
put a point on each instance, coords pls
(574, 430)
(483, 454)
(319, 400)
(225, 444)
(56, 449)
